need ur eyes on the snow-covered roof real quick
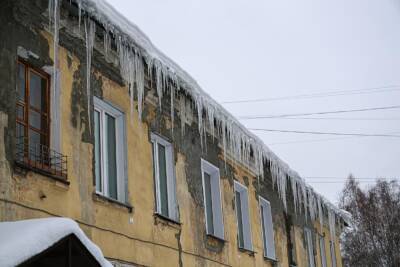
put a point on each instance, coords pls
(134, 47)
(21, 240)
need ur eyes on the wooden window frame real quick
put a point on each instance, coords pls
(26, 123)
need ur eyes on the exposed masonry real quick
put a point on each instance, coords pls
(138, 57)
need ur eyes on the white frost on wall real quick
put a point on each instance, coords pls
(135, 50)
(21, 240)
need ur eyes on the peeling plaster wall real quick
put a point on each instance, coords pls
(137, 237)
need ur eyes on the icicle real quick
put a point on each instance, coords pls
(139, 79)
(159, 81)
(199, 106)
(79, 14)
(89, 33)
(294, 193)
(107, 42)
(54, 15)
(182, 113)
(134, 49)
(172, 108)
(320, 213)
(332, 224)
(304, 194)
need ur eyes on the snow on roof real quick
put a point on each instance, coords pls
(134, 46)
(21, 240)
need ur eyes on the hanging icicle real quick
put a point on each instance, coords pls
(134, 48)
(90, 28)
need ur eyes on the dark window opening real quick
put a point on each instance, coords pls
(68, 252)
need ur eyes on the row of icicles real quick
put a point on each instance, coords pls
(211, 118)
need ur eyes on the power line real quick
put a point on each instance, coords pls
(324, 133)
(345, 178)
(315, 113)
(320, 140)
(337, 182)
(339, 118)
(382, 89)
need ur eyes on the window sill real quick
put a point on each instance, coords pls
(213, 237)
(247, 251)
(19, 168)
(159, 218)
(273, 261)
(103, 199)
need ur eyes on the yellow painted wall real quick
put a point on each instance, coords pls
(138, 237)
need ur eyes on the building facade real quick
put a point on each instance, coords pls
(100, 132)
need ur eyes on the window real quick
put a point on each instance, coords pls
(109, 135)
(242, 217)
(165, 188)
(267, 228)
(333, 253)
(212, 200)
(322, 251)
(310, 247)
(32, 110)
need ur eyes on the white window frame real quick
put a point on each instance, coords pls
(218, 220)
(244, 206)
(105, 108)
(267, 230)
(171, 180)
(310, 247)
(322, 251)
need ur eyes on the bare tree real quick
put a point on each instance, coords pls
(374, 237)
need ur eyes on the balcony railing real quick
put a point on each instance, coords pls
(40, 158)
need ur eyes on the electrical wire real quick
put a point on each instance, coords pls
(316, 113)
(345, 178)
(381, 89)
(339, 118)
(325, 133)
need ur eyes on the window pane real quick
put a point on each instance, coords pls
(97, 151)
(21, 83)
(162, 167)
(239, 219)
(37, 121)
(208, 204)
(112, 157)
(20, 132)
(20, 144)
(37, 92)
(36, 140)
(264, 230)
(267, 227)
(20, 112)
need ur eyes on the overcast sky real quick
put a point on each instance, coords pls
(240, 50)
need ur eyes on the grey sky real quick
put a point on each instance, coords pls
(240, 50)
